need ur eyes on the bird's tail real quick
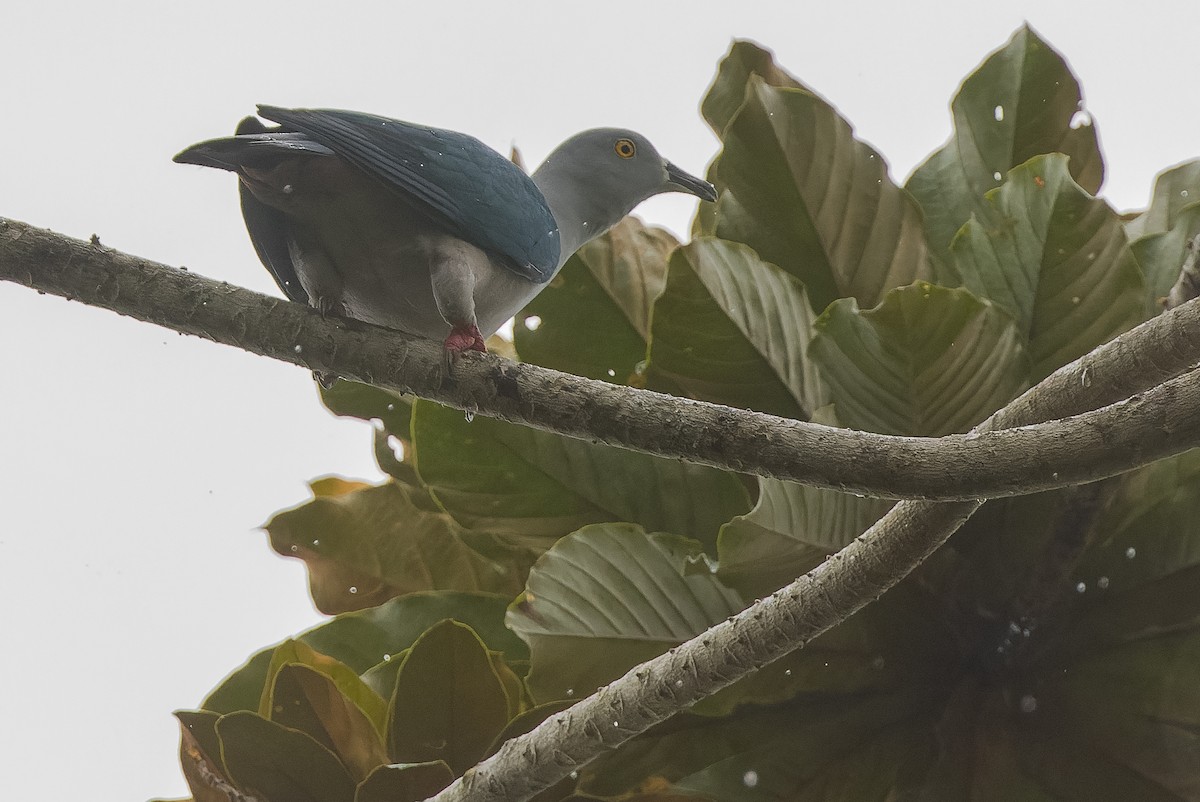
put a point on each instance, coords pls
(252, 145)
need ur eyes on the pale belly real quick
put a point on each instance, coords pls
(359, 250)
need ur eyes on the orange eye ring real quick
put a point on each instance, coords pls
(625, 148)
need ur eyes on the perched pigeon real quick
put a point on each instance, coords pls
(421, 229)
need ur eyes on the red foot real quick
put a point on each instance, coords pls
(465, 337)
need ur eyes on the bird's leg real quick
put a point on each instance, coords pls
(465, 337)
(328, 306)
(453, 290)
(462, 337)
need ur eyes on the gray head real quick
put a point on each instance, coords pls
(598, 176)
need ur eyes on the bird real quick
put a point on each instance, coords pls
(421, 229)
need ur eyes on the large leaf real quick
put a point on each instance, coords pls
(608, 597)
(278, 764)
(390, 411)
(368, 637)
(1152, 526)
(791, 529)
(405, 782)
(305, 699)
(374, 543)
(1135, 710)
(1161, 255)
(852, 748)
(733, 329)
(363, 401)
(1174, 190)
(449, 703)
(1057, 259)
(470, 469)
(1140, 576)
(899, 642)
(1020, 103)
(535, 486)
(345, 681)
(926, 362)
(593, 319)
(796, 186)
(200, 756)
(728, 91)
(989, 561)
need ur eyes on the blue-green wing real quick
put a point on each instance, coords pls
(463, 185)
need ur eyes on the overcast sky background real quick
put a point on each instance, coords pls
(136, 464)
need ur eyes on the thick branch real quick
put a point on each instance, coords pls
(1093, 446)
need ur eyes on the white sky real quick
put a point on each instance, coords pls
(135, 463)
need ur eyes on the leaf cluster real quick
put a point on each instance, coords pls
(1047, 652)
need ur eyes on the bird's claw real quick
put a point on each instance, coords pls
(463, 337)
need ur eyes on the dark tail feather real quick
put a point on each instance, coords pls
(253, 144)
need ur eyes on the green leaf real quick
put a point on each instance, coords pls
(728, 91)
(608, 597)
(1152, 528)
(304, 699)
(1161, 255)
(733, 329)
(372, 544)
(392, 411)
(472, 471)
(277, 764)
(381, 677)
(344, 678)
(850, 748)
(405, 782)
(796, 186)
(200, 756)
(363, 401)
(1142, 572)
(593, 318)
(449, 703)
(1078, 770)
(1057, 259)
(1162, 607)
(989, 560)
(1174, 190)
(362, 639)
(514, 687)
(899, 642)
(1020, 103)
(790, 530)
(983, 752)
(926, 362)
(1134, 709)
(534, 487)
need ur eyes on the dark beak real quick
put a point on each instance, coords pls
(686, 182)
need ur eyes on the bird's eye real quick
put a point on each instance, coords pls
(625, 148)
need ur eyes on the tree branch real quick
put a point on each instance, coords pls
(1090, 447)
